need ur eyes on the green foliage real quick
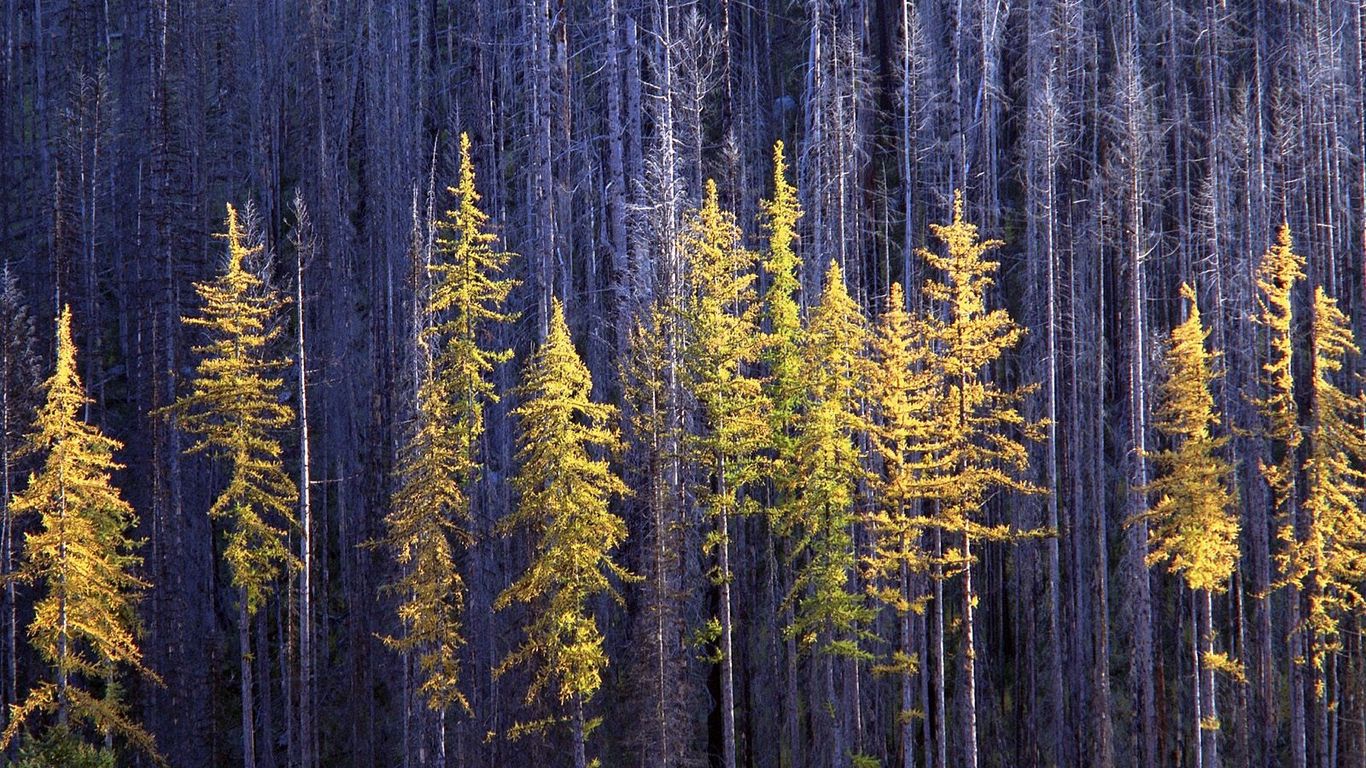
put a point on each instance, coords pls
(59, 748)
(429, 513)
(1194, 526)
(565, 489)
(235, 409)
(85, 621)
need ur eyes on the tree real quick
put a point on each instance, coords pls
(1194, 522)
(829, 608)
(782, 386)
(722, 346)
(565, 505)
(1325, 556)
(904, 390)
(305, 244)
(85, 623)
(235, 409)
(783, 340)
(1277, 275)
(430, 512)
(984, 429)
(18, 377)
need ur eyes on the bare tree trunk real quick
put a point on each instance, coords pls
(267, 719)
(907, 692)
(1197, 683)
(244, 667)
(969, 662)
(727, 643)
(580, 748)
(941, 736)
(1207, 680)
(305, 608)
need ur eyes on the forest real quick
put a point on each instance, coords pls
(762, 383)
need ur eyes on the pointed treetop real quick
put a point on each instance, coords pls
(896, 298)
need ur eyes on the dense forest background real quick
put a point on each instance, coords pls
(1119, 148)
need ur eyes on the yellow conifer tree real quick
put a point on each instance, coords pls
(783, 340)
(905, 392)
(983, 429)
(565, 497)
(831, 613)
(1280, 269)
(430, 511)
(234, 409)
(1194, 524)
(85, 622)
(1326, 558)
(722, 344)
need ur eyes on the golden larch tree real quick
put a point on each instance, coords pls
(983, 429)
(83, 557)
(904, 390)
(566, 485)
(831, 612)
(235, 410)
(1325, 555)
(721, 348)
(1194, 523)
(429, 514)
(782, 342)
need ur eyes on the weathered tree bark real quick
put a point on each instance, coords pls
(727, 635)
(304, 251)
(969, 661)
(244, 669)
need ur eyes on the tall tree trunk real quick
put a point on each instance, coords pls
(727, 642)
(262, 659)
(244, 667)
(580, 748)
(907, 692)
(307, 736)
(969, 661)
(1207, 679)
(1197, 683)
(941, 734)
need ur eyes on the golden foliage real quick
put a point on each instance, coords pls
(235, 411)
(85, 621)
(1194, 526)
(565, 507)
(430, 510)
